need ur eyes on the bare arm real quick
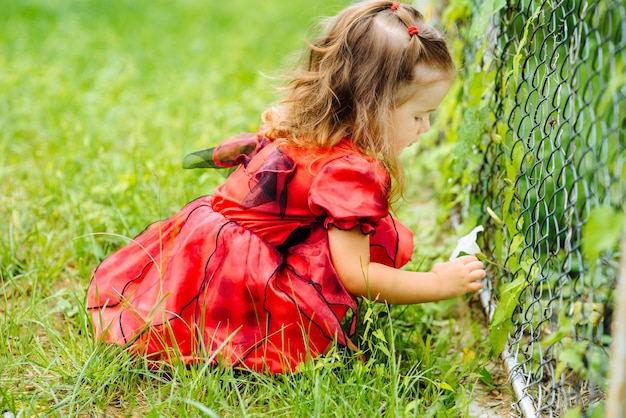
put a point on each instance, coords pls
(350, 253)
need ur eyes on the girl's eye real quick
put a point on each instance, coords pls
(419, 118)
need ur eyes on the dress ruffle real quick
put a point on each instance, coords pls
(222, 292)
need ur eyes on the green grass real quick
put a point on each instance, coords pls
(99, 102)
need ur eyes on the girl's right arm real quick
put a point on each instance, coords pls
(350, 252)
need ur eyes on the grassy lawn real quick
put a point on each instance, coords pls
(99, 102)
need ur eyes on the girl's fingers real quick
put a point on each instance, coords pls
(474, 286)
(476, 265)
(476, 271)
(478, 274)
(466, 259)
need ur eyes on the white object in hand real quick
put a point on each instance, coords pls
(467, 244)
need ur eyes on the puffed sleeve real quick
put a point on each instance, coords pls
(349, 192)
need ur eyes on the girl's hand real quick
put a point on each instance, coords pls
(350, 254)
(459, 276)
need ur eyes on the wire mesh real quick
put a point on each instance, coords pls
(560, 86)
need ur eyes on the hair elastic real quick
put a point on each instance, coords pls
(395, 5)
(413, 31)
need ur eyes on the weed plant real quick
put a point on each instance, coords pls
(99, 102)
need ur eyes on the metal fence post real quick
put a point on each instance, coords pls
(616, 401)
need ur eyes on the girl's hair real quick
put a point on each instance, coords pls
(354, 75)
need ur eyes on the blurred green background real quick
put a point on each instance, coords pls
(100, 100)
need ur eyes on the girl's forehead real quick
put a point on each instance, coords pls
(425, 74)
(426, 97)
(425, 78)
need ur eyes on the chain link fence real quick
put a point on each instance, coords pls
(552, 182)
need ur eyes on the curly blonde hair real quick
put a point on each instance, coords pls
(354, 76)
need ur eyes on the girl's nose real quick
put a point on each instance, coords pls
(425, 125)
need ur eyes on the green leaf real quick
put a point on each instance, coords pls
(380, 335)
(445, 386)
(496, 219)
(517, 58)
(485, 377)
(573, 413)
(572, 356)
(602, 231)
(482, 17)
(499, 335)
(472, 129)
(564, 329)
(516, 243)
(501, 322)
(411, 406)
(598, 410)
(508, 300)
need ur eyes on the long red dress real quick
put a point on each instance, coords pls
(244, 277)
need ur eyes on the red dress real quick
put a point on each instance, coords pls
(244, 277)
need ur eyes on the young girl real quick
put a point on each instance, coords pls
(261, 274)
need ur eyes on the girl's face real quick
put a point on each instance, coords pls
(412, 117)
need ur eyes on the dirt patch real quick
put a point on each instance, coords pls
(495, 400)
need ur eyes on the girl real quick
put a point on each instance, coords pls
(261, 274)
